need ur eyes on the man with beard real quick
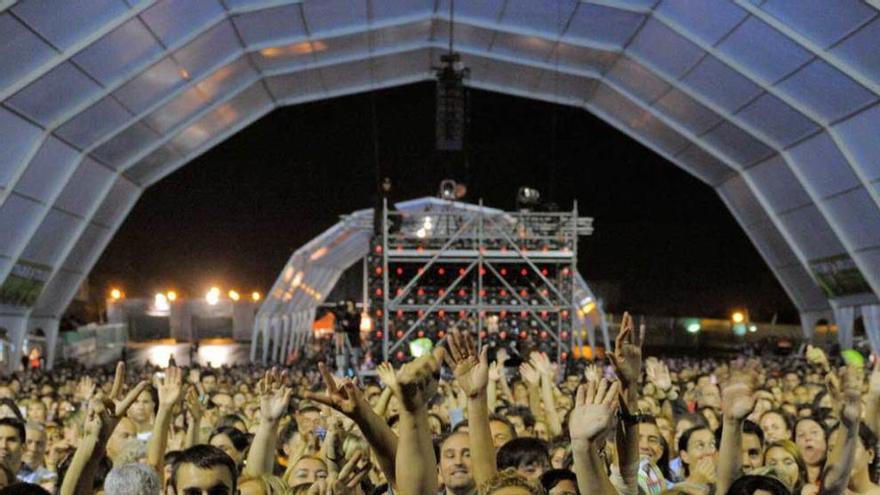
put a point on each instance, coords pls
(33, 459)
(12, 438)
(455, 465)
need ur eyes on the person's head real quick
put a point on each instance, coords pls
(560, 453)
(232, 441)
(306, 471)
(132, 479)
(695, 444)
(232, 421)
(502, 430)
(522, 419)
(124, 432)
(810, 437)
(776, 426)
(559, 482)
(708, 395)
(650, 444)
(528, 456)
(455, 463)
(510, 482)
(37, 412)
(12, 441)
(686, 422)
(757, 485)
(209, 381)
(8, 409)
(203, 470)
(35, 446)
(143, 409)
(790, 381)
(224, 404)
(784, 457)
(308, 418)
(752, 446)
(264, 484)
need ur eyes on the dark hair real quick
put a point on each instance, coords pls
(696, 419)
(18, 425)
(154, 394)
(552, 478)
(749, 484)
(520, 451)
(204, 457)
(752, 428)
(685, 438)
(523, 412)
(239, 439)
(818, 422)
(455, 429)
(22, 488)
(205, 374)
(502, 419)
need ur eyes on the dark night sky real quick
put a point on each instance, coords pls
(664, 243)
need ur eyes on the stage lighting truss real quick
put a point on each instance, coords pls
(510, 275)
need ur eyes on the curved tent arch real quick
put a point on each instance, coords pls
(773, 104)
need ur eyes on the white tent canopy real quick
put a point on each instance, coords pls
(773, 103)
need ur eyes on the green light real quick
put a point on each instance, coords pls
(693, 327)
(420, 347)
(739, 329)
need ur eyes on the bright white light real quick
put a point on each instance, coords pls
(428, 223)
(158, 355)
(172, 296)
(217, 355)
(213, 296)
(297, 280)
(421, 233)
(753, 328)
(256, 296)
(234, 295)
(160, 302)
(366, 323)
(693, 328)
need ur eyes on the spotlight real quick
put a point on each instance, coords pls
(171, 296)
(255, 296)
(738, 317)
(160, 302)
(213, 296)
(116, 294)
(447, 189)
(527, 197)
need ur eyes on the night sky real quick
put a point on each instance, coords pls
(664, 243)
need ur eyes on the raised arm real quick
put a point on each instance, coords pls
(627, 360)
(347, 399)
(194, 428)
(872, 400)
(545, 368)
(590, 422)
(842, 456)
(472, 375)
(274, 400)
(737, 401)
(416, 465)
(170, 390)
(101, 420)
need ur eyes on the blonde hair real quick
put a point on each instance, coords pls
(510, 478)
(272, 485)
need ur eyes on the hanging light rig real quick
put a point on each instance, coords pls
(451, 102)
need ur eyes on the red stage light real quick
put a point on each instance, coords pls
(483, 334)
(441, 292)
(503, 293)
(565, 271)
(523, 272)
(503, 249)
(379, 292)
(565, 314)
(441, 313)
(461, 271)
(421, 269)
(544, 335)
(523, 314)
(543, 314)
(400, 355)
(379, 313)
(523, 293)
(421, 313)
(523, 335)
(399, 334)
(544, 271)
(441, 271)
(441, 334)
(461, 293)
(461, 314)
(563, 335)
(564, 355)
(378, 270)
(421, 333)
(503, 313)
(400, 313)
(482, 271)
(399, 291)
(421, 291)
(420, 249)
(503, 335)
(379, 334)
(399, 271)
(378, 249)
(504, 272)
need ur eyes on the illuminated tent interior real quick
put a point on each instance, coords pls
(773, 103)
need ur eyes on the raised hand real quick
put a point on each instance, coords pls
(387, 375)
(541, 363)
(193, 404)
(119, 405)
(495, 371)
(705, 471)
(170, 387)
(816, 355)
(737, 400)
(471, 371)
(348, 479)
(529, 374)
(658, 373)
(345, 398)
(627, 355)
(274, 395)
(849, 394)
(594, 408)
(85, 388)
(593, 373)
(416, 380)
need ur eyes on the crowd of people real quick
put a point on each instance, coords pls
(457, 421)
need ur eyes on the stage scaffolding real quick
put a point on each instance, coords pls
(510, 275)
